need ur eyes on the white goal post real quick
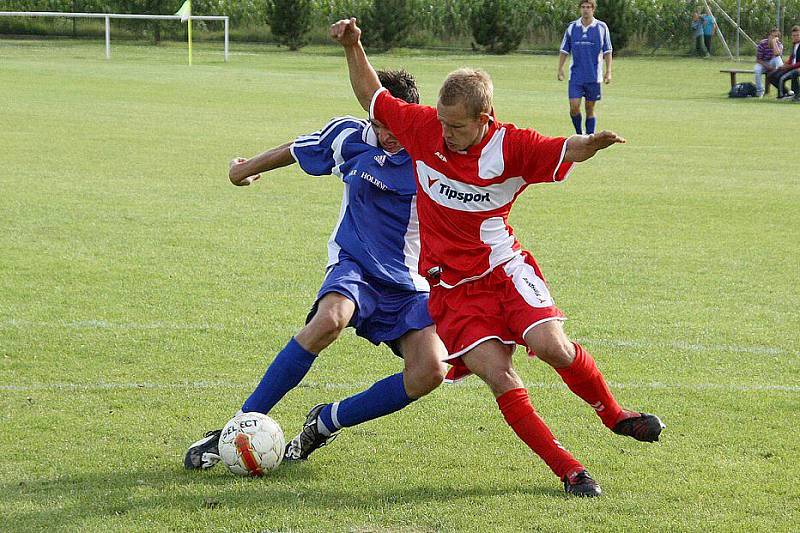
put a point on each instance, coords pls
(109, 16)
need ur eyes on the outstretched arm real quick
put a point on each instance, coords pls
(582, 147)
(246, 171)
(363, 77)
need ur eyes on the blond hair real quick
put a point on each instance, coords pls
(472, 87)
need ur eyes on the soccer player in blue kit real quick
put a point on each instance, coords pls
(589, 42)
(371, 280)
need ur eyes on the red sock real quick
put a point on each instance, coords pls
(520, 415)
(584, 379)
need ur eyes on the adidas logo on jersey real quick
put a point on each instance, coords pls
(381, 159)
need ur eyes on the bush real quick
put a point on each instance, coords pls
(387, 24)
(498, 26)
(617, 15)
(289, 20)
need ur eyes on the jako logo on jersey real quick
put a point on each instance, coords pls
(465, 197)
(381, 159)
(440, 156)
(536, 291)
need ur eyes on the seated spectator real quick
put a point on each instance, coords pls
(790, 71)
(768, 57)
(697, 34)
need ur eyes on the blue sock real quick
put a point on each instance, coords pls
(384, 397)
(284, 373)
(590, 123)
(576, 121)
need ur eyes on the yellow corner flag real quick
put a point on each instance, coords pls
(185, 12)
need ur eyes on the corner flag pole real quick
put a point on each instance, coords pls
(185, 12)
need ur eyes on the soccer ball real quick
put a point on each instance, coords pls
(251, 444)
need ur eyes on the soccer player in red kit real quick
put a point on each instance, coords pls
(488, 294)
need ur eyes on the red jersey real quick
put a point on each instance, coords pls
(464, 198)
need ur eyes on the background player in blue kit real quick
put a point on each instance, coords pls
(589, 42)
(371, 280)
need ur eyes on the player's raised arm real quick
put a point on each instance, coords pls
(245, 171)
(582, 147)
(363, 77)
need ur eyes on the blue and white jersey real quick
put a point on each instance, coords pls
(587, 45)
(378, 226)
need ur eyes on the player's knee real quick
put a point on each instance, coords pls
(328, 324)
(557, 352)
(502, 380)
(423, 384)
(424, 377)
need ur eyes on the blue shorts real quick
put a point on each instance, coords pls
(591, 91)
(383, 313)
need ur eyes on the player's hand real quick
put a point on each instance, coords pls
(604, 139)
(560, 75)
(236, 174)
(607, 78)
(346, 32)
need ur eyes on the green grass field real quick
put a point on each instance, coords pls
(142, 296)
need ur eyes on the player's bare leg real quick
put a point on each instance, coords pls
(423, 353)
(575, 114)
(334, 312)
(589, 105)
(491, 361)
(578, 370)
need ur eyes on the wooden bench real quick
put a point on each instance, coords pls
(734, 71)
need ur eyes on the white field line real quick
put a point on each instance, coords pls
(681, 346)
(692, 347)
(354, 386)
(104, 324)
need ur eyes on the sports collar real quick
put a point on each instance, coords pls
(369, 136)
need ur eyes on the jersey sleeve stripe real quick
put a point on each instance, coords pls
(372, 102)
(291, 151)
(564, 167)
(320, 135)
(337, 144)
(607, 39)
(351, 122)
(306, 142)
(565, 39)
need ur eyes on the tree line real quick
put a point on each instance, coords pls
(491, 26)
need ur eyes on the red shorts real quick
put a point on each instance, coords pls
(503, 305)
